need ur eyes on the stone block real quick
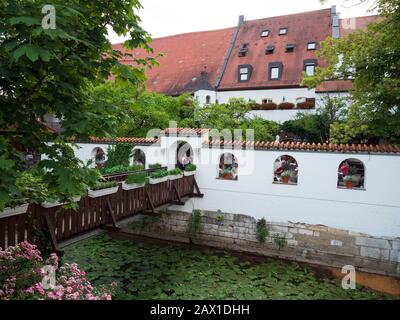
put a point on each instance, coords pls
(372, 242)
(376, 253)
(306, 232)
(292, 243)
(395, 255)
(279, 229)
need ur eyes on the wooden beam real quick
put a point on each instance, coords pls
(148, 197)
(53, 238)
(198, 193)
(114, 221)
(176, 191)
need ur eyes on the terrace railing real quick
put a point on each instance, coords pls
(92, 213)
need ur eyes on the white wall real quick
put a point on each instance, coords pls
(202, 94)
(315, 200)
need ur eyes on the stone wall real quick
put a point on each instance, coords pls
(316, 244)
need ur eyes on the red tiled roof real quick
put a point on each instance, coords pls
(185, 131)
(140, 141)
(185, 57)
(302, 28)
(299, 146)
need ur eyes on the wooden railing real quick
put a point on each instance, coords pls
(93, 213)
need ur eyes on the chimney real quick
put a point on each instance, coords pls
(241, 20)
(335, 23)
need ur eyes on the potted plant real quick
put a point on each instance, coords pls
(349, 179)
(154, 166)
(101, 188)
(285, 176)
(286, 106)
(158, 176)
(134, 181)
(175, 174)
(268, 106)
(190, 170)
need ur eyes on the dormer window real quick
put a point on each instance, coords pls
(311, 45)
(283, 31)
(275, 70)
(264, 33)
(270, 49)
(309, 66)
(244, 72)
(290, 47)
(243, 50)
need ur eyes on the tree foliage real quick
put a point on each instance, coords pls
(49, 71)
(372, 58)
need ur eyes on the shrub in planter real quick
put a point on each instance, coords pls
(190, 170)
(136, 167)
(306, 105)
(102, 189)
(134, 181)
(154, 166)
(268, 106)
(54, 201)
(175, 174)
(158, 176)
(286, 106)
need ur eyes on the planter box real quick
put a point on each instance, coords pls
(132, 186)
(8, 212)
(48, 204)
(102, 192)
(157, 180)
(189, 173)
(175, 177)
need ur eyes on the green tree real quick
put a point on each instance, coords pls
(48, 71)
(317, 127)
(372, 59)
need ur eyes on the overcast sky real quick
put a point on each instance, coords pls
(167, 17)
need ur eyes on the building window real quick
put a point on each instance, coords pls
(264, 33)
(228, 167)
(285, 170)
(312, 45)
(283, 31)
(244, 72)
(269, 50)
(208, 99)
(243, 50)
(275, 70)
(266, 101)
(290, 47)
(309, 66)
(351, 174)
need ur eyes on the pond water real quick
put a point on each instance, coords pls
(173, 271)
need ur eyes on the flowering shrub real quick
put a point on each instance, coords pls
(24, 275)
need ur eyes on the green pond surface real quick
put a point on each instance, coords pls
(173, 271)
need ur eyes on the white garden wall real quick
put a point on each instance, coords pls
(315, 200)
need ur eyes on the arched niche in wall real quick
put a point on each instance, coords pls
(184, 154)
(228, 167)
(286, 170)
(98, 157)
(139, 157)
(351, 174)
